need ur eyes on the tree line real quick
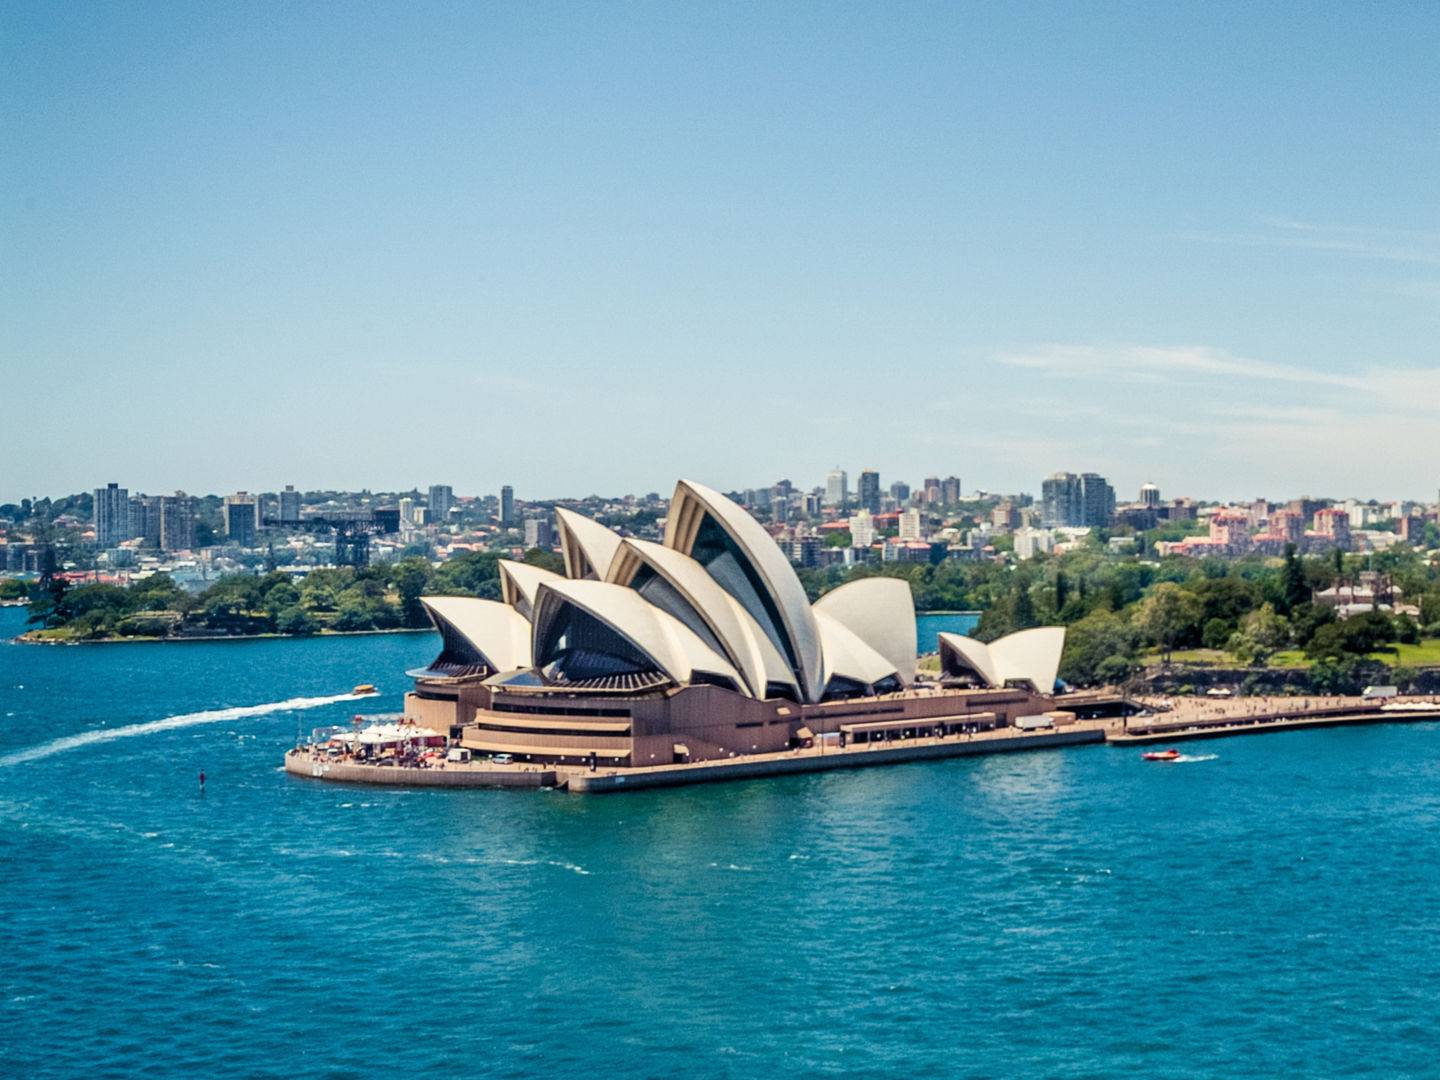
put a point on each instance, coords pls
(1117, 610)
(381, 597)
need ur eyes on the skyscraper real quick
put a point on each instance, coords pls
(900, 491)
(950, 489)
(1149, 496)
(507, 506)
(869, 491)
(1060, 500)
(442, 498)
(932, 489)
(242, 517)
(112, 515)
(837, 489)
(1097, 500)
(289, 505)
(177, 522)
(1086, 501)
(145, 520)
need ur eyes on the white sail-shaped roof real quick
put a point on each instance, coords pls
(668, 643)
(847, 656)
(1027, 656)
(519, 582)
(749, 565)
(733, 629)
(881, 612)
(498, 633)
(587, 545)
(1031, 654)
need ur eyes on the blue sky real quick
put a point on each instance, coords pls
(592, 247)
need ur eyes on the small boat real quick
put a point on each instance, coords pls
(1161, 755)
(364, 688)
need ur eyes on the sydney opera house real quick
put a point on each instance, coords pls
(701, 648)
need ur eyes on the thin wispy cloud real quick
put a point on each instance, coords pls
(1355, 241)
(1164, 363)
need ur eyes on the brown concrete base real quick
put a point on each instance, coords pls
(854, 757)
(478, 775)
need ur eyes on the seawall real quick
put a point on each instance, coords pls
(303, 763)
(752, 768)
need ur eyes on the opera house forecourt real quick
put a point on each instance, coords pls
(702, 659)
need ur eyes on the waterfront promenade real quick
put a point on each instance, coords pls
(825, 755)
(1210, 718)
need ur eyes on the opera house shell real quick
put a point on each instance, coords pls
(704, 646)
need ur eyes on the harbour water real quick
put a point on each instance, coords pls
(950, 622)
(1265, 909)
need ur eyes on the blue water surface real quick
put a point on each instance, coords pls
(929, 626)
(1268, 909)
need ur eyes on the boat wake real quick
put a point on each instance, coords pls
(170, 723)
(1188, 758)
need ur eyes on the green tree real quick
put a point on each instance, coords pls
(1024, 616)
(546, 560)
(1268, 630)
(1217, 633)
(410, 577)
(296, 620)
(1167, 614)
(1096, 638)
(1293, 584)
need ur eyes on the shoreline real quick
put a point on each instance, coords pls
(1195, 720)
(23, 639)
(306, 763)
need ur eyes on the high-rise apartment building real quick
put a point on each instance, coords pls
(289, 506)
(862, 529)
(145, 520)
(1097, 501)
(950, 490)
(112, 515)
(779, 507)
(1060, 500)
(1086, 501)
(407, 512)
(442, 498)
(1334, 524)
(931, 489)
(1149, 496)
(242, 517)
(507, 506)
(837, 489)
(869, 491)
(910, 527)
(177, 522)
(538, 533)
(900, 491)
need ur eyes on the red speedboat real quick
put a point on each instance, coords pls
(1161, 755)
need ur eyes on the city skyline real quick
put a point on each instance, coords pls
(1191, 245)
(886, 488)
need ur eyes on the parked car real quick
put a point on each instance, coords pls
(501, 759)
